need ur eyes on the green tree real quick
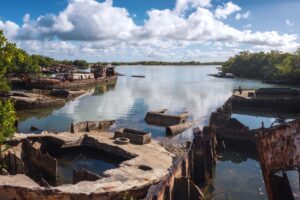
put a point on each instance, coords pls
(7, 120)
(81, 64)
(7, 55)
(274, 66)
(7, 124)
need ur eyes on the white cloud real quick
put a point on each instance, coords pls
(82, 20)
(247, 26)
(289, 23)
(9, 28)
(239, 16)
(26, 18)
(226, 10)
(182, 5)
(91, 30)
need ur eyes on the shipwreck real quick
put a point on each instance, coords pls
(69, 80)
(141, 168)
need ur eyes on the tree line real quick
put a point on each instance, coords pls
(161, 63)
(273, 66)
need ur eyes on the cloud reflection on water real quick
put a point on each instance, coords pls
(178, 89)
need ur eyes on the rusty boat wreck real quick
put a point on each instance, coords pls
(68, 80)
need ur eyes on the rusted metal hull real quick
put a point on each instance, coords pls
(70, 85)
(192, 169)
(279, 150)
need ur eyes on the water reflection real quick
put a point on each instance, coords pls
(185, 88)
(179, 89)
(85, 158)
(237, 176)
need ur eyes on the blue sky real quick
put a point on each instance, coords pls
(130, 30)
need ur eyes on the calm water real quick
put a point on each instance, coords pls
(186, 88)
(83, 158)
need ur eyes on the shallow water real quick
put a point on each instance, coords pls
(92, 160)
(187, 88)
(184, 88)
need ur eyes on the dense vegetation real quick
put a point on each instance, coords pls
(7, 120)
(8, 55)
(274, 66)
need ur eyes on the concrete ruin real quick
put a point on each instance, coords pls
(88, 126)
(147, 171)
(134, 136)
(31, 168)
(279, 151)
(177, 129)
(160, 118)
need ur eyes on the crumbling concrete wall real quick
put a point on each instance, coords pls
(279, 150)
(135, 136)
(88, 126)
(45, 163)
(84, 175)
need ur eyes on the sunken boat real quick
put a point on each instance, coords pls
(99, 74)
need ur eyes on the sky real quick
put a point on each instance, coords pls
(164, 30)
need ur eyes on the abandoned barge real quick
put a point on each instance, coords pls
(68, 80)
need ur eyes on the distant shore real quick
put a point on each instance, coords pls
(162, 63)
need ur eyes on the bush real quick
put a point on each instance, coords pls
(7, 120)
